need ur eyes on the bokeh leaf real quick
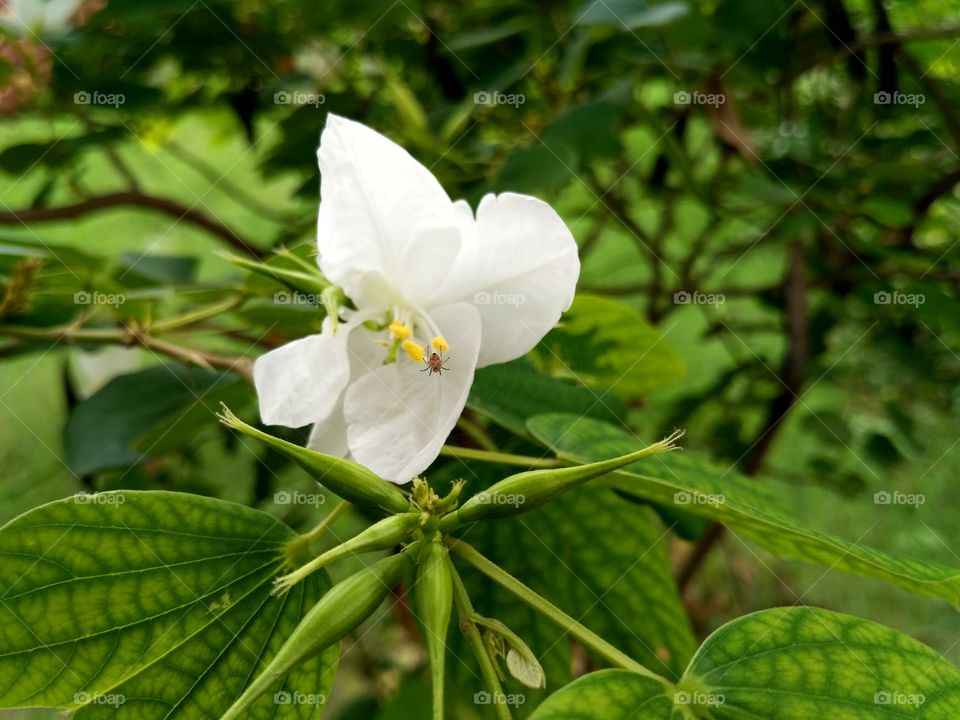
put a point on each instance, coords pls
(744, 506)
(512, 392)
(103, 431)
(607, 344)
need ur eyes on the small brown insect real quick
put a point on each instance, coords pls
(435, 364)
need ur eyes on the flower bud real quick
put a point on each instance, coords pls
(382, 535)
(434, 601)
(346, 478)
(341, 610)
(527, 490)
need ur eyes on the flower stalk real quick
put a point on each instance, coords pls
(381, 535)
(434, 599)
(468, 626)
(549, 610)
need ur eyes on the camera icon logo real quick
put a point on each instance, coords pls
(282, 698)
(882, 98)
(882, 497)
(81, 98)
(681, 98)
(682, 297)
(281, 97)
(881, 698)
(82, 297)
(482, 698)
(482, 98)
(881, 297)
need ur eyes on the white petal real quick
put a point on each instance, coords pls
(299, 383)
(399, 416)
(365, 355)
(329, 436)
(376, 201)
(520, 269)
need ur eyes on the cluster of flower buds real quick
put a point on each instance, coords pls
(416, 522)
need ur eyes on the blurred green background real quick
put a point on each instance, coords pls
(772, 184)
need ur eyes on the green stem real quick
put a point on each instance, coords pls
(549, 610)
(300, 545)
(477, 433)
(196, 316)
(499, 457)
(471, 632)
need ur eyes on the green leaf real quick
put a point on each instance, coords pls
(511, 392)
(745, 506)
(618, 583)
(149, 605)
(607, 344)
(144, 269)
(608, 695)
(787, 663)
(625, 15)
(104, 430)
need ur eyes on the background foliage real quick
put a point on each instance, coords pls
(776, 272)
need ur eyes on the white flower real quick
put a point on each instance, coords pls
(40, 17)
(426, 277)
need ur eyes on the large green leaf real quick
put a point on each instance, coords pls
(783, 664)
(607, 344)
(745, 506)
(602, 560)
(146, 605)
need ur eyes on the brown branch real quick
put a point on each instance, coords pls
(133, 198)
(129, 336)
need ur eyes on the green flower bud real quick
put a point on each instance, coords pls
(341, 610)
(434, 601)
(382, 535)
(527, 490)
(346, 478)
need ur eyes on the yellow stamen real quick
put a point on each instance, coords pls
(414, 350)
(440, 344)
(399, 330)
